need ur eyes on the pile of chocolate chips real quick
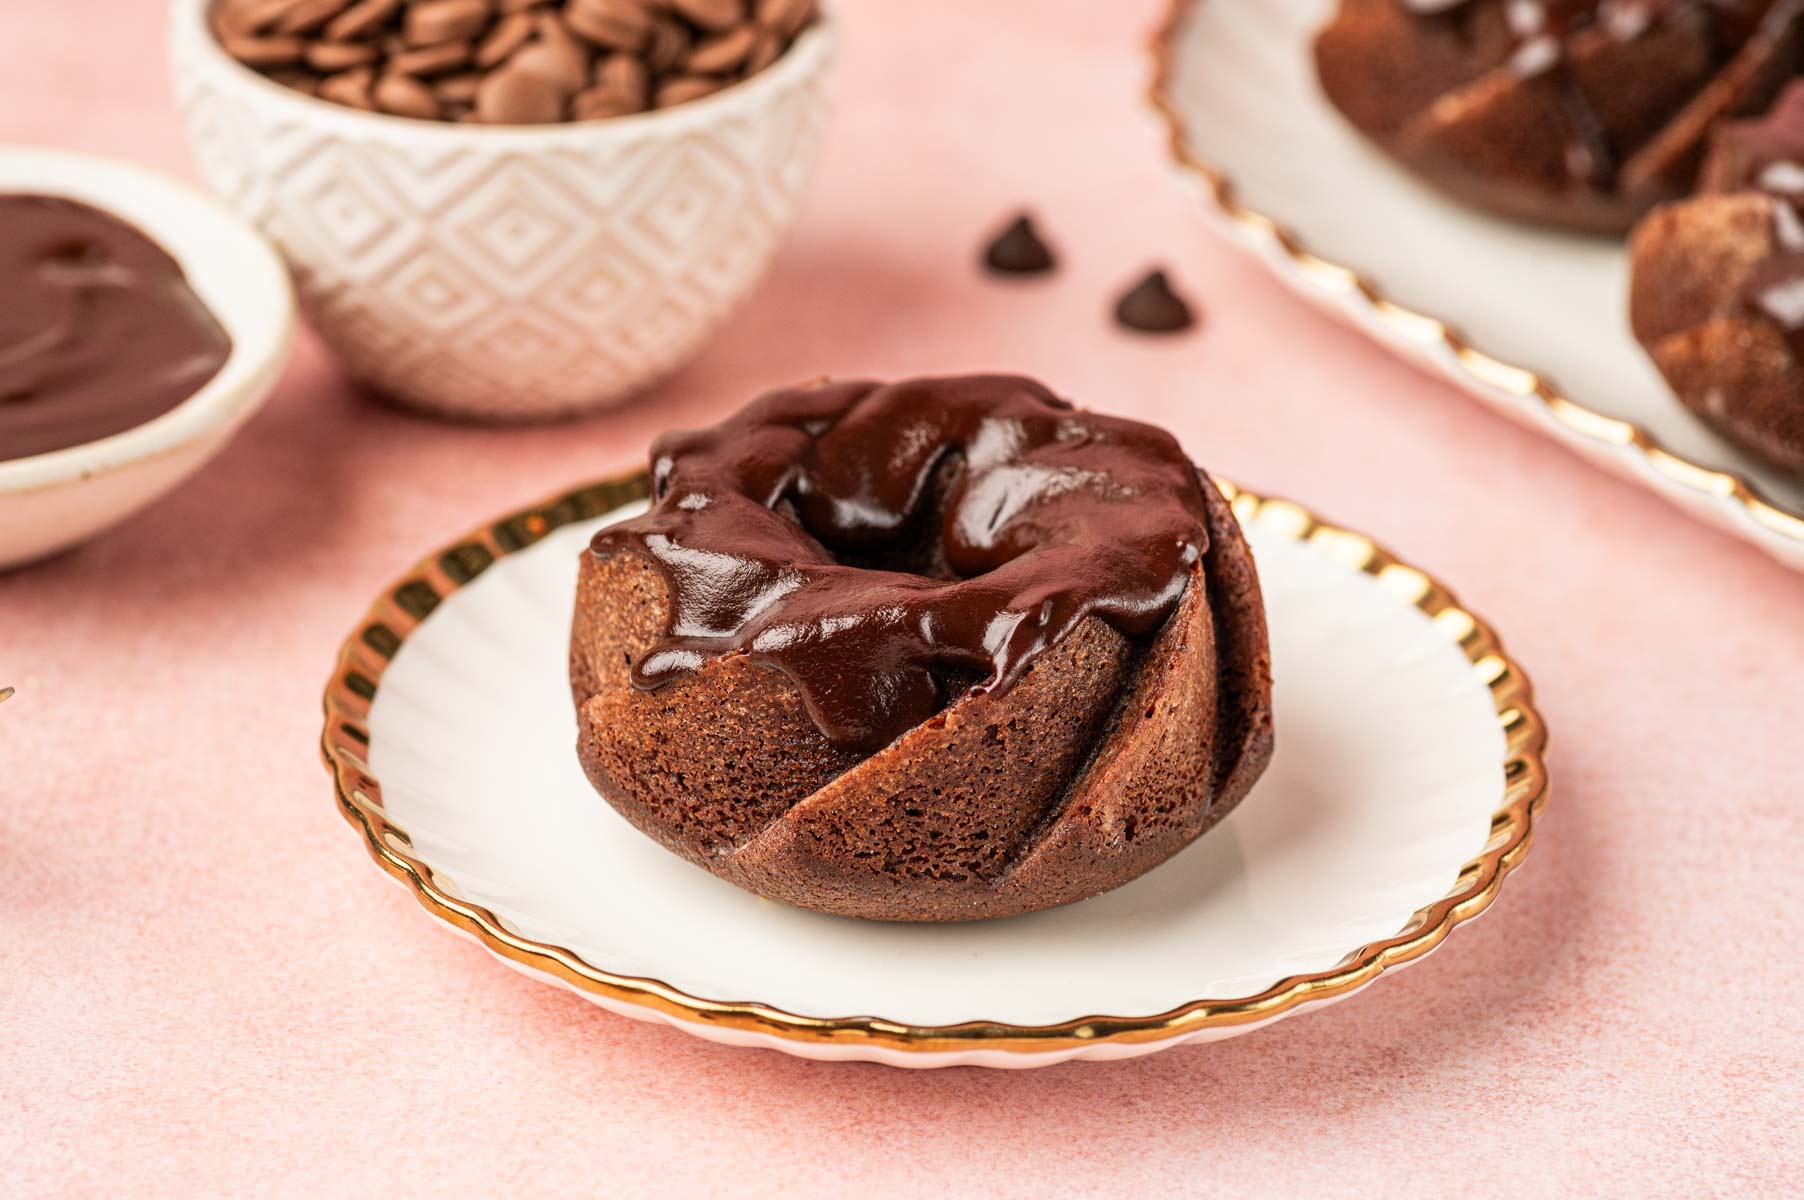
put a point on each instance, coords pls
(509, 62)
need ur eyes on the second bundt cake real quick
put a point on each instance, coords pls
(1579, 113)
(928, 651)
(1717, 288)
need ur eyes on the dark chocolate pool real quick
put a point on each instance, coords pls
(99, 329)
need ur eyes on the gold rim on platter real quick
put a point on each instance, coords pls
(1332, 279)
(410, 601)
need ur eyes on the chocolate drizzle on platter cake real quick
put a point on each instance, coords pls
(1717, 286)
(1581, 113)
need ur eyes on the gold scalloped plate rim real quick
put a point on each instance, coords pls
(410, 600)
(1734, 498)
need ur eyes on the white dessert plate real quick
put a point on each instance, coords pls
(1407, 780)
(1532, 322)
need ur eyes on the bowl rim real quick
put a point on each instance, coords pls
(261, 333)
(409, 601)
(806, 57)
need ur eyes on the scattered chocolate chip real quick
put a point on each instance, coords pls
(1018, 250)
(1150, 306)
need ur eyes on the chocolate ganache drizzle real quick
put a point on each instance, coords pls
(1542, 33)
(886, 545)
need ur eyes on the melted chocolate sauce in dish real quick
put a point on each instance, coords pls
(1585, 113)
(932, 650)
(99, 330)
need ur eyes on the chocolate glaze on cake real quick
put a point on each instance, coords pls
(930, 651)
(763, 527)
(1583, 113)
(1717, 288)
(99, 330)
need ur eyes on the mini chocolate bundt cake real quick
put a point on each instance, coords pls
(1580, 113)
(928, 651)
(1717, 288)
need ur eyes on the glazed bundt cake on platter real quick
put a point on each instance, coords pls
(1717, 291)
(1578, 113)
(927, 651)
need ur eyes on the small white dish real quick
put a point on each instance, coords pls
(1530, 321)
(50, 502)
(1405, 786)
(510, 273)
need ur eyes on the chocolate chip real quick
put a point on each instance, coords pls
(564, 65)
(266, 51)
(350, 88)
(453, 90)
(600, 102)
(786, 17)
(715, 15)
(1018, 250)
(512, 96)
(254, 16)
(508, 35)
(406, 97)
(329, 57)
(306, 16)
(722, 52)
(766, 47)
(670, 42)
(360, 19)
(624, 76)
(611, 24)
(681, 89)
(432, 60)
(1150, 306)
(430, 22)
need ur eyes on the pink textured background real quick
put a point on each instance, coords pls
(205, 988)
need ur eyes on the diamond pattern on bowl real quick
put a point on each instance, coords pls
(510, 273)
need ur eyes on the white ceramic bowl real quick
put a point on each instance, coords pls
(509, 272)
(49, 502)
